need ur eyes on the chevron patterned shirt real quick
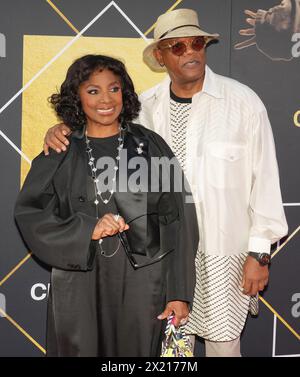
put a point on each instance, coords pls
(180, 109)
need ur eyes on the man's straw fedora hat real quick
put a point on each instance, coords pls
(174, 24)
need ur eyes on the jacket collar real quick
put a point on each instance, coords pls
(79, 134)
(211, 85)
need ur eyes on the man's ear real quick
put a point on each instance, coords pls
(158, 56)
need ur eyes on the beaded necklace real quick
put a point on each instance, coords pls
(98, 192)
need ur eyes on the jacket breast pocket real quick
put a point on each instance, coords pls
(225, 164)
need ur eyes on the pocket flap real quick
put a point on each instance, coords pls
(227, 151)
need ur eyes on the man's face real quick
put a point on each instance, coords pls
(184, 69)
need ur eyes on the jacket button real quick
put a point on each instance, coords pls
(81, 199)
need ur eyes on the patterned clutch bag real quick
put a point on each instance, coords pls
(176, 343)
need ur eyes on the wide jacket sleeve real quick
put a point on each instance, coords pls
(268, 222)
(59, 241)
(181, 261)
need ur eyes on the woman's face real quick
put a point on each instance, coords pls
(101, 100)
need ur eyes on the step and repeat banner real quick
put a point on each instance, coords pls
(39, 39)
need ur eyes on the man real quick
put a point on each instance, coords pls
(220, 132)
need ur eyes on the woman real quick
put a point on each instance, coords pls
(119, 257)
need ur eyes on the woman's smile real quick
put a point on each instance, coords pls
(106, 111)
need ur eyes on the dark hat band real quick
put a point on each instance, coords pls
(178, 27)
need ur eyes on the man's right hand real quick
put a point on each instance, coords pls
(55, 138)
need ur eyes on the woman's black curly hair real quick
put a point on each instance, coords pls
(67, 103)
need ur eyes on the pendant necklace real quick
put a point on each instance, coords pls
(98, 192)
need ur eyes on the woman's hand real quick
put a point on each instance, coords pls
(109, 225)
(180, 309)
(55, 138)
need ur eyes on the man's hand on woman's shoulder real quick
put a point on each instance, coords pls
(55, 138)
